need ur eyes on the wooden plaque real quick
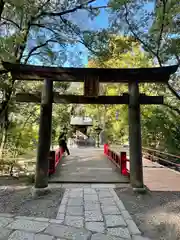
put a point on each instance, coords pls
(91, 87)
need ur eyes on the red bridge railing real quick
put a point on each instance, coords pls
(119, 159)
(54, 159)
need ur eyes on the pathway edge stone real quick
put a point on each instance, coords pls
(132, 227)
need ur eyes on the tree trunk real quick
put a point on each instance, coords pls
(5, 127)
(3, 142)
(2, 4)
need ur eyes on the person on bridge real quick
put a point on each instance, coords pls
(62, 142)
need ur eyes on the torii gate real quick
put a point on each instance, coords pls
(91, 78)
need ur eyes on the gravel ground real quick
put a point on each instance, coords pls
(17, 200)
(157, 214)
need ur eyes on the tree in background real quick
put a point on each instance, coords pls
(155, 25)
(160, 126)
(39, 32)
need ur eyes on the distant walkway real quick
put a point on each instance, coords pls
(87, 165)
(156, 176)
(160, 178)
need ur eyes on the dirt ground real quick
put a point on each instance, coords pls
(16, 198)
(157, 214)
(11, 181)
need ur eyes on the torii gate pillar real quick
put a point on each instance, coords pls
(42, 162)
(136, 171)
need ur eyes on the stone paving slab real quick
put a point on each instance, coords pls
(75, 202)
(95, 226)
(74, 210)
(74, 221)
(119, 232)
(68, 232)
(110, 210)
(108, 201)
(100, 236)
(91, 202)
(28, 225)
(92, 218)
(115, 221)
(21, 235)
(89, 191)
(4, 233)
(91, 197)
(4, 221)
(91, 206)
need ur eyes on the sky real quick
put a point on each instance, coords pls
(82, 20)
(98, 23)
(81, 17)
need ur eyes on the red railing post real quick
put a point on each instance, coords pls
(120, 161)
(52, 160)
(106, 146)
(123, 159)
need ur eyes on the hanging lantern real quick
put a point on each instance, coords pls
(98, 129)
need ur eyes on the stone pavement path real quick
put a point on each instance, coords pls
(84, 214)
(87, 165)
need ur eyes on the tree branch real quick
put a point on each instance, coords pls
(162, 27)
(81, 39)
(2, 4)
(173, 91)
(36, 48)
(178, 59)
(100, 7)
(12, 22)
(43, 26)
(156, 54)
(33, 54)
(138, 38)
(54, 14)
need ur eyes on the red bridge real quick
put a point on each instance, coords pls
(111, 164)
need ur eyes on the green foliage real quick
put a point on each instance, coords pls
(156, 30)
(31, 33)
(160, 125)
(161, 129)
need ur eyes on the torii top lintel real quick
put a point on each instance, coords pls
(105, 75)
